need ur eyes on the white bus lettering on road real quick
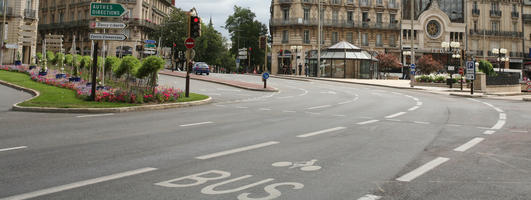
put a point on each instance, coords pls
(212, 175)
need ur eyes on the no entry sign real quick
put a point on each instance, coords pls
(189, 43)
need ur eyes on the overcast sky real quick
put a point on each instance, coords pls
(219, 10)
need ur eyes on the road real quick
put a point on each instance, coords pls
(312, 140)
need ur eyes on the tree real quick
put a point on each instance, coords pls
(50, 58)
(427, 65)
(150, 69)
(486, 67)
(112, 63)
(59, 59)
(388, 61)
(245, 32)
(128, 66)
(174, 29)
(209, 47)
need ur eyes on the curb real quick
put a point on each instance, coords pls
(467, 95)
(339, 81)
(35, 94)
(527, 99)
(224, 83)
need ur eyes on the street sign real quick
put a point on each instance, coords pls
(106, 10)
(150, 42)
(413, 66)
(451, 68)
(108, 25)
(461, 71)
(470, 70)
(237, 60)
(12, 46)
(150, 52)
(265, 76)
(114, 37)
(189, 43)
(150, 46)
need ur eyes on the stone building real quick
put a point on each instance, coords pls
(373, 25)
(526, 17)
(21, 27)
(71, 18)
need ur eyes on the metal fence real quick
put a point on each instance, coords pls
(506, 78)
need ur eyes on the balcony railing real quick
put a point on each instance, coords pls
(334, 23)
(285, 1)
(126, 1)
(9, 12)
(392, 5)
(309, 1)
(526, 17)
(335, 2)
(516, 54)
(515, 14)
(30, 14)
(65, 25)
(475, 12)
(495, 13)
(496, 33)
(365, 3)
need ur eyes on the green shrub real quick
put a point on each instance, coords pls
(439, 79)
(486, 67)
(425, 78)
(129, 66)
(112, 63)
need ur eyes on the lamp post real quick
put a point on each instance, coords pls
(500, 53)
(296, 49)
(449, 49)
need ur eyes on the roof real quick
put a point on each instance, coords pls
(344, 45)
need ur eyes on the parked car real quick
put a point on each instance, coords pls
(200, 68)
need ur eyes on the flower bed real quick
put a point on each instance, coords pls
(105, 94)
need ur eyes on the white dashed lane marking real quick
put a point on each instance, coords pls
(13, 148)
(78, 184)
(469, 144)
(237, 150)
(196, 124)
(395, 115)
(320, 132)
(318, 107)
(422, 169)
(368, 122)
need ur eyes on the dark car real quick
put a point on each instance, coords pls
(200, 68)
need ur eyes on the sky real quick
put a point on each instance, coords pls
(220, 10)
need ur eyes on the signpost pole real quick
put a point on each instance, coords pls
(94, 71)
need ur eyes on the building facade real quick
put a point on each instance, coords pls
(386, 26)
(20, 30)
(526, 18)
(373, 25)
(71, 18)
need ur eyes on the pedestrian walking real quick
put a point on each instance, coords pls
(300, 69)
(306, 69)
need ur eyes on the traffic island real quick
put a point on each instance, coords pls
(238, 84)
(527, 99)
(475, 95)
(54, 99)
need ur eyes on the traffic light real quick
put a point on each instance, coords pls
(195, 27)
(263, 42)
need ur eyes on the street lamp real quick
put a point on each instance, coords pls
(449, 48)
(296, 49)
(500, 53)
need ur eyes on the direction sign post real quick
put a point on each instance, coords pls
(106, 10)
(108, 25)
(114, 37)
(471, 74)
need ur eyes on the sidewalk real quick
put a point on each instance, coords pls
(233, 83)
(405, 84)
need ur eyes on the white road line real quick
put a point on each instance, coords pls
(413, 108)
(318, 107)
(287, 97)
(289, 111)
(320, 132)
(312, 113)
(419, 103)
(339, 115)
(394, 120)
(454, 125)
(485, 128)
(517, 131)
(422, 169)
(345, 102)
(195, 124)
(265, 109)
(13, 148)
(370, 197)
(503, 116)
(98, 115)
(241, 107)
(418, 122)
(489, 132)
(368, 122)
(237, 150)
(499, 124)
(469, 144)
(78, 184)
(395, 115)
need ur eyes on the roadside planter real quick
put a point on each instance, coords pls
(32, 67)
(18, 62)
(60, 76)
(43, 73)
(74, 79)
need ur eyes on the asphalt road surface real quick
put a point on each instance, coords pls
(312, 140)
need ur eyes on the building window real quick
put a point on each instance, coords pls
(306, 36)
(379, 40)
(379, 2)
(350, 1)
(43, 19)
(336, 1)
(495, 26)
(350, 16)
(392, 41)
(379, 18)
(392, 18)
(61, 17)
(52, 19)
(285, 36)
(364, 39)
(350, 37)
(515, 27)
(515, 8)
(392, 4)
(335, 16)
(475, 5)
(495, 6)
(29, 4)
(306, 14)
(475, 26)
(365, 16)
(286, 14)
(334, 38)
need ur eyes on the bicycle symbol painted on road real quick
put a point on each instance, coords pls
(304, 165)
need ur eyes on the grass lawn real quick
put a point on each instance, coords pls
(51, 96)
